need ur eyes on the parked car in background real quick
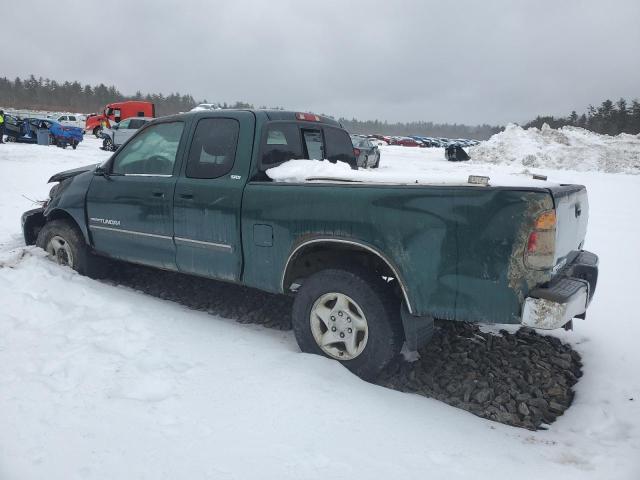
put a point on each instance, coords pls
(71, 120)
(405, 142)
(367, 154)
(383, 138)
(24, 130)
(204, 106)
(116, 112)
(119, 133)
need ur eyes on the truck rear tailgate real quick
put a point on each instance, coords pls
(572, 214)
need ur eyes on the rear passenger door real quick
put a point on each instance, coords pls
(208, 196)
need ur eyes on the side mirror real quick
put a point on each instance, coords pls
(115, 127)
(100, 170)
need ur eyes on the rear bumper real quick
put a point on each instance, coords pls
(566, 297)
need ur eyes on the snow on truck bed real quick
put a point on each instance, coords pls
(297, 171)
(98, 381)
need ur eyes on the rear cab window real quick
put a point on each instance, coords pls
(280, 143)
(339, 146)
(284, 141)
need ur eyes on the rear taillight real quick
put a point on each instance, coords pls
(356, 152)
(541, 243)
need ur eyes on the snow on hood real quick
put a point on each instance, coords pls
(298, 171)
(567, 148)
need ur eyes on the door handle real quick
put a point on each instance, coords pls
(158, 194)
(187, 196)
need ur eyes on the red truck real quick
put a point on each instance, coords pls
(116, 112)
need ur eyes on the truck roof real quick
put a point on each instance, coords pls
(273, 115)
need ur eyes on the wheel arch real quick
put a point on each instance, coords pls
(61, 214)
(312, 255)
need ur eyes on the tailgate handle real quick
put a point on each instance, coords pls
(187, 196)
(578, 210)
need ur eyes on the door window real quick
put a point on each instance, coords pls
(213, 148)
(124, 124)
(151, 152)
(313, 144)
(72, 118)
(281, 143)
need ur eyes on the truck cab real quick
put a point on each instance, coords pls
(116, 112)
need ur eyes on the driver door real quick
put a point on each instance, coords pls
(130, 209)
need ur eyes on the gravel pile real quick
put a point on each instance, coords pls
(244, 305)
(522, 379)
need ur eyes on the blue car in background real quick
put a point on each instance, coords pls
(25, 130)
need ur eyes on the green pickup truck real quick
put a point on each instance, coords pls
(370, 264)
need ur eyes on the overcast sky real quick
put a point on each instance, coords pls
(446, 61)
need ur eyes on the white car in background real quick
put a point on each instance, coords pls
(205, 106)
(71, 120)
(121, 132)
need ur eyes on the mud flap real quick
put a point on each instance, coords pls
(417, 330)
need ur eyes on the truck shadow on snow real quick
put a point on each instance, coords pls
(521, 379)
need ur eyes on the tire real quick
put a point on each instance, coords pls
(377, 162)
(74, 145)
(108, 145)
(369, 298)
(66, 246)
(97, 131)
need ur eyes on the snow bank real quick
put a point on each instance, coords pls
(568, 148)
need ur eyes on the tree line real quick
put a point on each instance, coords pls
(609, 118)
(429, 129)
(46, 94)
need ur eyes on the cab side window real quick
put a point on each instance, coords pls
(213, 148)
(339, 146)
(280, 144)
(151, 152)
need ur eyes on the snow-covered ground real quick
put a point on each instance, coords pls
(103, 382)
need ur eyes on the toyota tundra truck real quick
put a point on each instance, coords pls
(370, 265)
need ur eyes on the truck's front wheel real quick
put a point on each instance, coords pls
(350, 316)
(66, 246)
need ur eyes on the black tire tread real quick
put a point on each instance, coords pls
(381, 308)
(85, 262)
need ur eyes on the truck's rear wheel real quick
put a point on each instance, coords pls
(97, 131)
(66, 246)
(350, 316)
